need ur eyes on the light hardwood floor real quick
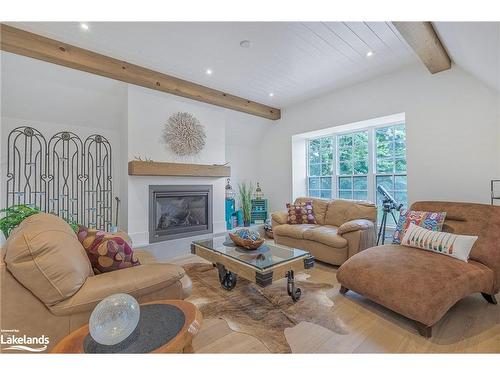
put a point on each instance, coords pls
(471, 326)
(215, 336)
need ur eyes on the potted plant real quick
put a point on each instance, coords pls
(14, 215)
(245, 190)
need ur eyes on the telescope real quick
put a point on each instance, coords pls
(389, 199)
(389, 204)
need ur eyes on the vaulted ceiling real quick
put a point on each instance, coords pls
(292, 60)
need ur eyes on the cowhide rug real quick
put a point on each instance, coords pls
(262, 312)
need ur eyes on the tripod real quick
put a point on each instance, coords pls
(387, 207)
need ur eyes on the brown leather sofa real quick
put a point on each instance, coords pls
(423, 285)
(343, 229)
(48, 287)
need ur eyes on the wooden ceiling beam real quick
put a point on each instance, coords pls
(38, 47)
(422, 37)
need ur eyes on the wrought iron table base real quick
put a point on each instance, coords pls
(227, 278)
(290, 287)
(228, 281)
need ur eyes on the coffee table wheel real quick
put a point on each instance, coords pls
(293, 292)
(228, 281)
(227, 278)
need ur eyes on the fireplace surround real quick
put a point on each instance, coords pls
(177, 211)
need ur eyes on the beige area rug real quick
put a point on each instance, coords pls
(263, 312)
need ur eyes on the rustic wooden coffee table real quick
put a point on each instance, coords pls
(180, 342)
(263, 266)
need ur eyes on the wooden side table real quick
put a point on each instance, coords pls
(181, 343)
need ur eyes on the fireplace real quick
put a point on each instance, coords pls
(177, 211)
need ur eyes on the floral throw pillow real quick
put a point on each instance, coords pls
(429, 220)
(106, 251)
(300, 213)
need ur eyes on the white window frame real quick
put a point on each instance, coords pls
(394, 174)
(334, 145)
(337, 167)
(372, 159)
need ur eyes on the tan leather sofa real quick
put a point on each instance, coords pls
(48, 287)
(423, 285)
(343, 229)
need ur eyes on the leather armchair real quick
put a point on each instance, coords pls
(27, 304)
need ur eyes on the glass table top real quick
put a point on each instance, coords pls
(266, 256)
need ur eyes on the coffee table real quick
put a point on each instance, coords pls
(263, 266)
(178, 340)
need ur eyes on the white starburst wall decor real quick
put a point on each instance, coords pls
(183, 134)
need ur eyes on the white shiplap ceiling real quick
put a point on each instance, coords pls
(293, 60)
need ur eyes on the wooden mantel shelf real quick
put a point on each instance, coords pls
(154, 168)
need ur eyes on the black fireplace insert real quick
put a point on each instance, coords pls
(177, 211)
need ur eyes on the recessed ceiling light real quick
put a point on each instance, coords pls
(84, 26)
(209, 72)
(369, 54)
(271, 94)
(245, 44)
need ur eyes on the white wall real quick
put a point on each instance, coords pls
(53, 98)
(40, 91)
(231, 137)
(148, 110)
(244, 134)
(452, 132)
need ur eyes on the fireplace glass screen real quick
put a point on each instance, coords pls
(180, 211)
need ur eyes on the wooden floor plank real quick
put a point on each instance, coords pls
(216, 337)
(471, 326)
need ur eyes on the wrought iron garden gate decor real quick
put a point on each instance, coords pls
(65, 176)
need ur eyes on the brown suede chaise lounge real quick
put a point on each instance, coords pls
(423, 285)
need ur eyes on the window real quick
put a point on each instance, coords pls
(351, 165)
(320, 167)
(391, 163)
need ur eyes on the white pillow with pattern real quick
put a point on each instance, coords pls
(454, 245)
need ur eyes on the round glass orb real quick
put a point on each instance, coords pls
(114, 319)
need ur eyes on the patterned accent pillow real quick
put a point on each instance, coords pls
(428, 220)
(454, 245)
(106, 251)
(301, 213)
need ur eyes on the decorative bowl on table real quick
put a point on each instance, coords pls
(246, 238)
